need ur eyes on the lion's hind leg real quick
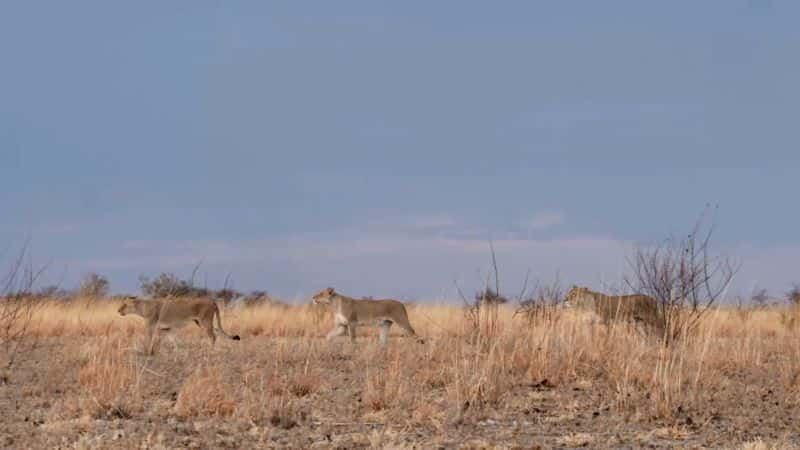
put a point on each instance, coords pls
(209, 327)
(174, 341)
(384, 332)
(403, 323)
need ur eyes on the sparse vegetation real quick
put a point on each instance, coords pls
(760, 297)
(481, 312)
(491, 372)
(18, 305)
(541, 304)
(560, 375)
(562, 382)
(167, 284)
(94, 286)
(793, 296)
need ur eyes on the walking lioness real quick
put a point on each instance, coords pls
(637, 307)
(166, 314)
(349, 312)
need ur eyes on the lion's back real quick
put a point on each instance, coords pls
(387, 309)
(638, 305)
(187, 309)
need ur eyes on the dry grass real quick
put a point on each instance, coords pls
(283, 376)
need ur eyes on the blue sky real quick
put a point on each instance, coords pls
(376, 146)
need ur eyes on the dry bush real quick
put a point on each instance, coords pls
(304, 384)
(793, 296)
(790, 316)
(759, 297)
(481, 313)
(542, 304)
(109, 381)
(388, 387)
(17, 308)
(204, 394)
(296, 383)
(108, 378)
(377, 395)
(264, 401)
(456, 375)
(683, 276)
(164, 285)
(479, 379)
(93, 286)
(743, 310)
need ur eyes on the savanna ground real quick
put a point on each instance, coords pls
(554, 382)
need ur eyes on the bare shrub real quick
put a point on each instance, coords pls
(169, 284)
(388, 387)
(481, 312)
(54, 291)
(743, 310)
(377, 394)
(760, 297)
(793, 296)
(93, 286)
(541, 304)
(303, 385)
(479, 379)
(683, 276)
(164, 285)
(17, 307)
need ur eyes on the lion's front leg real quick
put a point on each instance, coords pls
(340, 330)
(151, 340)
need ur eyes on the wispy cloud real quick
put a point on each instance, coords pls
(542, 221)
(411, 256)
(417, 256)
(44, 228)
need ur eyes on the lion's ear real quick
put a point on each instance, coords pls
(329, 291)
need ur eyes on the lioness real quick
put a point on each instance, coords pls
(349, 312)
(165, 314)
(637, 307)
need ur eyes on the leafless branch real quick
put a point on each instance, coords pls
(683, 275)
(194, 272)
(18, 305)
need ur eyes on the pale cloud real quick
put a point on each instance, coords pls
(57, 228)
(412, 257)
(408, 224)
(367, 263)
(44, 228)
(542, 221)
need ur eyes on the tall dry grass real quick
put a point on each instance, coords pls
(467, 378)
